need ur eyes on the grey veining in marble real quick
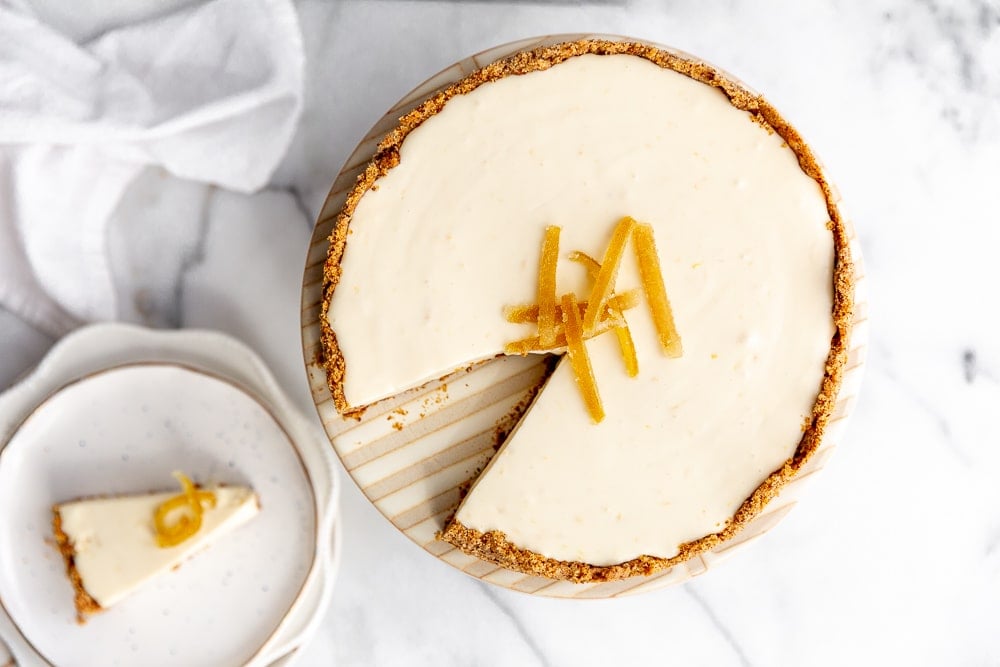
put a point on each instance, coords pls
(894, 556)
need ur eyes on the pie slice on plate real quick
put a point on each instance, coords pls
(114, 545)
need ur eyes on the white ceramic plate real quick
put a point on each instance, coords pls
(411, 454)
(249, 599)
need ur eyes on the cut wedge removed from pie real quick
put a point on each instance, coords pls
(713, 388)
(114, 545)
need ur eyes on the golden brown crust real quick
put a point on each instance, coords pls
(85, 604)
(493, 546)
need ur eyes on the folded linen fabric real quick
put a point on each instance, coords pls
(208, 92)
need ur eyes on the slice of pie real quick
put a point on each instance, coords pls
(645, 447)
(114, 545)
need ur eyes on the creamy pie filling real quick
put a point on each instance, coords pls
(453, 234)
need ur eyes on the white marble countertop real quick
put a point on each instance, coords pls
(894, 555)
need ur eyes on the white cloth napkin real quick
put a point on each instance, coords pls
(210, 92)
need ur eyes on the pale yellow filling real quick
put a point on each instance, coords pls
(451, 236)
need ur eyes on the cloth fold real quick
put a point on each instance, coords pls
(210, 93)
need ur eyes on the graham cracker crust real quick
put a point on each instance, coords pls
(85, 604)
(493, 546)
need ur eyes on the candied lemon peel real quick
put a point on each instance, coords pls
(656, 291)
(604, 282)
(547, 287)
(565, 323)
(528, 313)
(177, 519)
(579, 359)
(616, 310)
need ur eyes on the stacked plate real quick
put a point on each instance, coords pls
(114, 409)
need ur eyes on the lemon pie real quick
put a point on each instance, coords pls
(697, 284)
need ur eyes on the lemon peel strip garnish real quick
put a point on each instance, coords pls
(177, 519)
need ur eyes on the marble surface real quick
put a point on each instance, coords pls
(893, 556)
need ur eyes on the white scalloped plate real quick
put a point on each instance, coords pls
(78, 427)
(411, 453)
